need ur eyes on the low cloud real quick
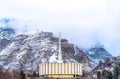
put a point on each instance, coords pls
(83, 22)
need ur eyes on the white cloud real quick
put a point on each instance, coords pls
(81, 21)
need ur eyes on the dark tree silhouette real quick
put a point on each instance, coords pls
(22, 75)
(99, 75)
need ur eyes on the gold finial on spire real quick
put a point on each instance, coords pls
(59, 34)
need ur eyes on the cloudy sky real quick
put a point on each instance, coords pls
(82, 22)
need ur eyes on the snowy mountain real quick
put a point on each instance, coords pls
(6, 35)
(97, 53)
(25, 52)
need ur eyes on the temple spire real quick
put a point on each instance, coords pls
(60, 53)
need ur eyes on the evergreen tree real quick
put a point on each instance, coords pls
(99, 76)
(116, 69)
(105, 73)
(22, 75)
(110, 75)
(34, 74)
(37, 74)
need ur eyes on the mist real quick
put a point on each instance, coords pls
(82, 22)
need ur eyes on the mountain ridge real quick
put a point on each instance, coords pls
(27, 51)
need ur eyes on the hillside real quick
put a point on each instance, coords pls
(26, 52)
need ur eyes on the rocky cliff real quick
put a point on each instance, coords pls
(25, 52)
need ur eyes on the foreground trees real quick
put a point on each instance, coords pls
(116, 70)
(17, 74)
(113, 73)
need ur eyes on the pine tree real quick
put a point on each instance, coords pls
(34, 74)
(116, 69)
(110, 75)
(22, 75)
(105, 73)
(99, 76)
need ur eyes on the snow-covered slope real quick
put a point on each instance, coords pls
(6, 35)
(27, 51)
(97, 53)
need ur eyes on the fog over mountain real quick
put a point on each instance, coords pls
(81, 40)
(83, 22)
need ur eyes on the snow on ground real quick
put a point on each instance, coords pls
(87, 69)
(91, 53)
(53, 58)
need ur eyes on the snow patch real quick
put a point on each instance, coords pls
(87, 69)
(19, 56)
(91, 53)
(53, 58)
(13, 65)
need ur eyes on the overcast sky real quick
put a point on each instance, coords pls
(82, 22)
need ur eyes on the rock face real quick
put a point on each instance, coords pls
(108, 63)
(3, 43)
(6, 74)
(97, 53)
(25, 52)
(5, 37)
(82, 57)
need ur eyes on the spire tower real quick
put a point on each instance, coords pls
(60, 53)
